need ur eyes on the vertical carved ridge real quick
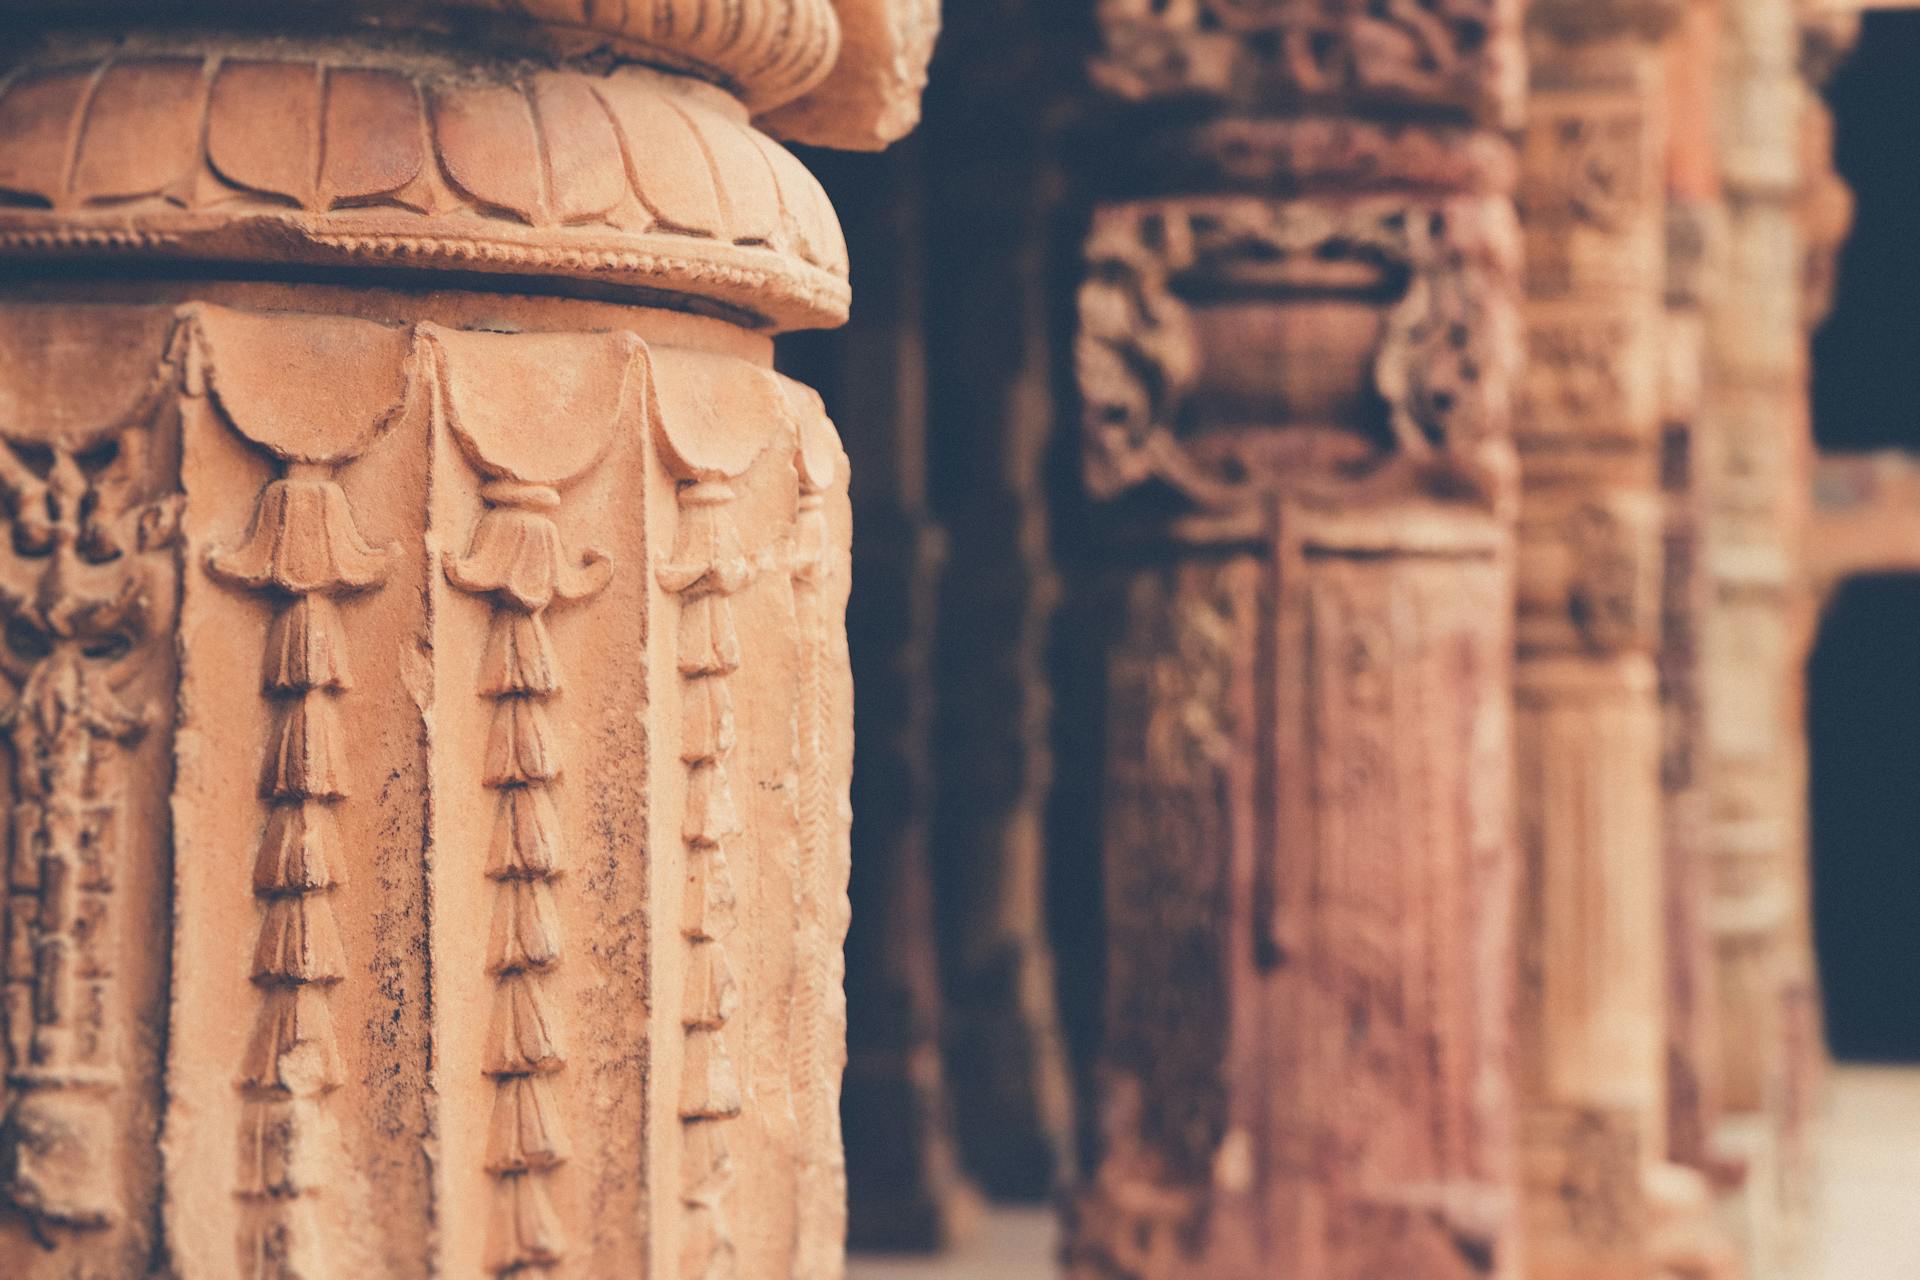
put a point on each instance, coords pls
(820, 999)
(706, 569)
(515, 561)
(304, 551)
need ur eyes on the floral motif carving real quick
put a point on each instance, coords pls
(1437, 53)
(303, 552)
(516, 561)
(1442, 365)
(629, 176)
(706, 569)
(78, 596)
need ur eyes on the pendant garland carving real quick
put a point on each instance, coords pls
(706, 568)
(480, 936)
(82, 592)
(304, 555)
(516, 561)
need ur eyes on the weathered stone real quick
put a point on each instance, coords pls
(1297, 359)
(429, 711)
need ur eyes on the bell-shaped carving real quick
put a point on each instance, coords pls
(524, 1231)
(297, 852)
(707, 724)
(709, 645)
(519, 657)
(516, 557)
(303, 540)
(526, 836)
(709, 1088)
(306, 648)
(519, 1041)
(299, 943)
(274, 1160)
(706, 547)
(711, 814)
(526, 930)
(711, 995)
(293, 1049)
(520, 745)
(307, 759)
(707, 908)
(524, 1134)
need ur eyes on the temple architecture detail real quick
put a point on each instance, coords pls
(1339, 543)
(426, 698)
(1298, 353)
(1786, 214)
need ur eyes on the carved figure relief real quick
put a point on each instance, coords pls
(82, 591)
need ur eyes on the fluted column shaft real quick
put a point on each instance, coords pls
(427, 688)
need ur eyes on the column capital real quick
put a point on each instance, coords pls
(642, 185)
(1452, 60)
(852, 68)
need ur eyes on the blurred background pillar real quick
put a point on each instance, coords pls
(1758, 629)
(1296, 350)
(1604, 1200)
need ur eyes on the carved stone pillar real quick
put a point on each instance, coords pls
(1756, 476)
(428, 707)
(1594, 981)
(1296, 350)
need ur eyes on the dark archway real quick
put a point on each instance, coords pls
(1864, 733)
(1864, 679)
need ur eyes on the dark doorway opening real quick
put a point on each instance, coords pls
(1864, 679)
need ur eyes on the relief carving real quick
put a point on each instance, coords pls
(1399, 53)
(516, 561)
(821, 576)
(305, 554)
(496, 930)
(1440, 368)
(707, 566)
(84, 591)
(630, 176)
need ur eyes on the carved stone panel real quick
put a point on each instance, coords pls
(88, 581)
(1302, 1062)
(508, 778)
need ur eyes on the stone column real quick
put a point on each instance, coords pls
(428, 708)
(1297, 342)
(1588, 712)
(1756, 477)
(1604, 1203)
